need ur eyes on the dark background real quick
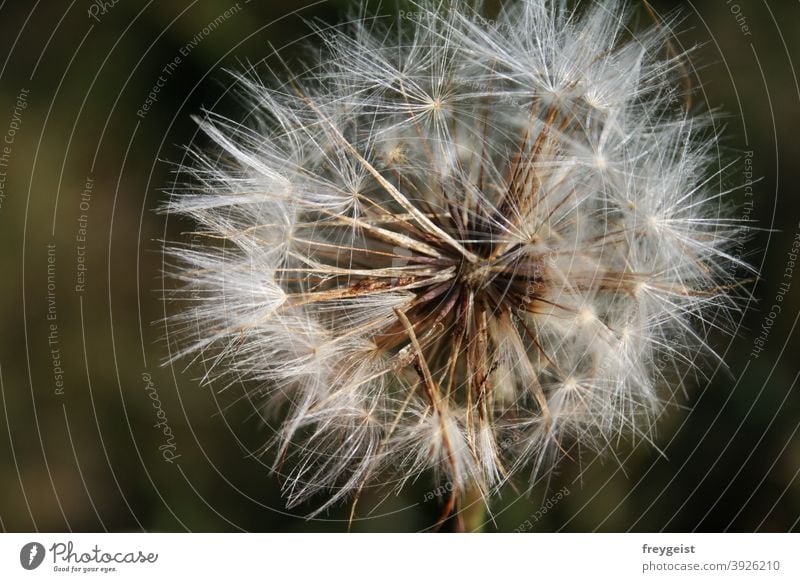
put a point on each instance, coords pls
(89, 459)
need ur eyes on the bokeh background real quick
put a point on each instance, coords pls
(78, 162)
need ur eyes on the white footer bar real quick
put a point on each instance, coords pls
(402, 557)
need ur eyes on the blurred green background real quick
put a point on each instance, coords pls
(85, 455)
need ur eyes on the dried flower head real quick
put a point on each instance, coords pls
(457, 245)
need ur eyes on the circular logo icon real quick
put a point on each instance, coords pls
(31, 555)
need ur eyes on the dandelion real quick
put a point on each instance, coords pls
(458, 247)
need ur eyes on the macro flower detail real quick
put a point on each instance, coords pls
(457, 247)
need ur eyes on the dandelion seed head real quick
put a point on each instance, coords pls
(456, 246)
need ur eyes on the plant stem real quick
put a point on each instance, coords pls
(473, 514)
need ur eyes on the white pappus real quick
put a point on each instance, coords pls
(458, 246)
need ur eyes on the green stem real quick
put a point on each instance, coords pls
(473, 512)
